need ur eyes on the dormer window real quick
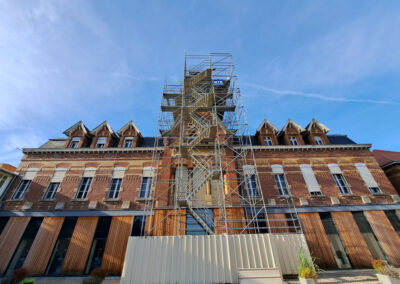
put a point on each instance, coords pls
(128, 142)
(268, 141)
(293, 140)
(318, 140)
(74, 142)
(101, 142)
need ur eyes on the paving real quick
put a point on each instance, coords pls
(362, 276)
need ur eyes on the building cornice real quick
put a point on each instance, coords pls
(307, 147)
(89, 150)
(390, 164)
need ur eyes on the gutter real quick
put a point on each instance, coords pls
(90, 150)
(308, 147)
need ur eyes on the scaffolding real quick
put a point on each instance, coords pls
(210, 168)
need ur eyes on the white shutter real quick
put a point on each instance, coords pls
(59, 175)
(89, 172)
(277, 169)
(30, 173)
(249, 170)
(334, 168)
(118, 172)
(148, 172)
(309, 177)
(366, 175)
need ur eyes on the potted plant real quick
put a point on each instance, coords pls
(387, 274)
(97, 276)
(307, 268)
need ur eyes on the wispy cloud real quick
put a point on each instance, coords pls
(316, 95)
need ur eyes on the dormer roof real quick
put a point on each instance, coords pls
(126, 126)
(268, 124)
(77, 126)
(316, 123)
(101, 126)
(294, 125)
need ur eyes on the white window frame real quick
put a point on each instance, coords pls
(84, 188)
(99, 143)
(282, 185)
(74, 142)
(147, 181)
(127, 143)
(293, 140)
(318, 140)
(268, 141)
(52, 189)
(250, 180)
(114, 188)
(343, 186)
(336, 172)
(21, 189)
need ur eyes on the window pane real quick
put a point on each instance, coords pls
(51, 191)
(83, 188)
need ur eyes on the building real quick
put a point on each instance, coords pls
(389, 161)
(77, 200)
(7, 175)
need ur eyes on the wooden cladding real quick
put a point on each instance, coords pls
(79, 246)
(114, 253)
(387, 236)
(10, 238)
(353, 240)
(317, 240)
(169, 223)
(43, 245)
(278, 223)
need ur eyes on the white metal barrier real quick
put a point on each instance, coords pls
(208, 259)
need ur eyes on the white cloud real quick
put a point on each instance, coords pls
(316, 95)
(58, 59)
(55, 57)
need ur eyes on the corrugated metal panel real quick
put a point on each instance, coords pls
(207, 259)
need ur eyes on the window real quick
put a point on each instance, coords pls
(256, 221)
(145, 188)
(341, 183)
(368, 178)
(293, 140)
(114, 189)
(268, 141)
(128, 142)
(83, 188)
(74, 142)
(21, 189)
(101, 142)
(311, 181)
(339, 179)
(51, 191)
(147, 179)
(138, 227)
(281, 183)
(2, 180)
(250, 179)
(194, 223)
(318, 140)
(280, 180)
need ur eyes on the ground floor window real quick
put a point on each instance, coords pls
(369, 236)
(394, 219)
(138, 226)
(61, 246)
(256, 220)
(335, 242)
(193, 224)
(24, 245)
(99, 244)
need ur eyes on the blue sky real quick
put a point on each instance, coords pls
(65, 61)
